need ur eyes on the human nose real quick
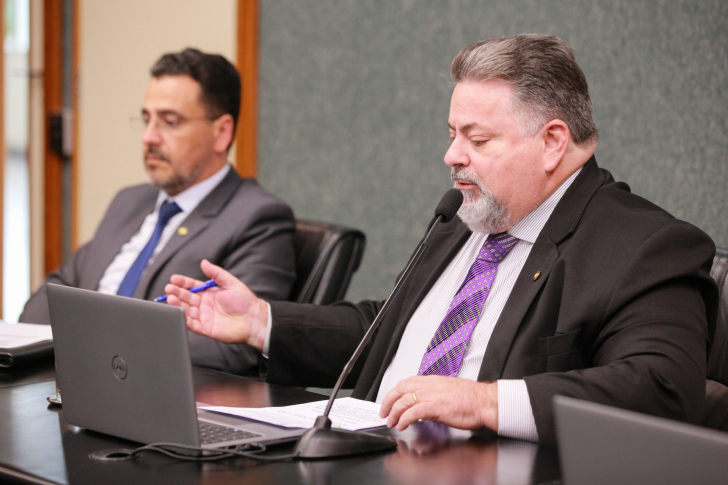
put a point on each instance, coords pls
(456, 155)
(151, 134)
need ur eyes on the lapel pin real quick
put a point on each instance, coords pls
(535, 277)
(182, 231)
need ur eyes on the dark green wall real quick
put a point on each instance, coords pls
(354, 97)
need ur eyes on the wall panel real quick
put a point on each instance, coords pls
(354, 101)
(119, 42)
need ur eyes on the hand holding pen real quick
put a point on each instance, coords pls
(204, 286)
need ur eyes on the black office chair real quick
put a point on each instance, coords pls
(327, 256)
(716, 392)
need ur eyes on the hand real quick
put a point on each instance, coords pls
(458, 403)
(230, 313)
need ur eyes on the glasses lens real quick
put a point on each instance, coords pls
(137, 124)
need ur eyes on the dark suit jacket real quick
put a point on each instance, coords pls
(621, 312)
(238, 226)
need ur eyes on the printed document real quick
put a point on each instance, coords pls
(15, 335)
(346, 413)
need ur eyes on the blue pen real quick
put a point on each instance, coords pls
(204, 286)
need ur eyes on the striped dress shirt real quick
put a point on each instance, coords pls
(515, 416)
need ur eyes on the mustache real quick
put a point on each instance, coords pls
(152, 150)
(461, 174)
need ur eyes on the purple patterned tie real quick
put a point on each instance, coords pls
(446, 350)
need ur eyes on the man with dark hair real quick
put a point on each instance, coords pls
(195, 207)
(220, 87)
(555, 280)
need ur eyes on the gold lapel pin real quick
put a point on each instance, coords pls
(182, 231)
(535, 277)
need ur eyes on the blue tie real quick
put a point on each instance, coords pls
(131, 280)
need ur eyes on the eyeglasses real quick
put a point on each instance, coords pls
(167, 123)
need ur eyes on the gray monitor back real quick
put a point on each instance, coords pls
(123, 366)
(604, 445)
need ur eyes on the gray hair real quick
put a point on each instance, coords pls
(547, 82)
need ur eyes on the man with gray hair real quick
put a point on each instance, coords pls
(555, 280)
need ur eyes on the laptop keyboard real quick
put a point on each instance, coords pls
(214, 433)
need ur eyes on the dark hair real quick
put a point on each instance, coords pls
(547, 82)
(218, 79)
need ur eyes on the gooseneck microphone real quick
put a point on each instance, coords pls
(448, 206)
(321, 440)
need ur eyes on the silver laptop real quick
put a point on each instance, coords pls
(123, 368)
(604, 445)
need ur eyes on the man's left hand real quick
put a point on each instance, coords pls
(455, 402)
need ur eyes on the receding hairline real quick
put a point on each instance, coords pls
(511, 108)
(547, 83)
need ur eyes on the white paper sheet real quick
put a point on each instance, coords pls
(14, 335)
(347, 413)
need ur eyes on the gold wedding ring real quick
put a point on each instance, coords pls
(415, 398)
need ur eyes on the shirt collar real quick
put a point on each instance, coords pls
(528, 228)
(191, 197)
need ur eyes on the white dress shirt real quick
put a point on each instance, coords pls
(187, 200)
(515, 416)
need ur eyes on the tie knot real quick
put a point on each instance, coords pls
(167, 211)
(496, 247)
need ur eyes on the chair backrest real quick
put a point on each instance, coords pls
(327, 256)
(718, 364)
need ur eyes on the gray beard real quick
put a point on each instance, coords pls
(481, 211)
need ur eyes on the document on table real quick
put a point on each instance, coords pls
(16, 335)
(346, 413)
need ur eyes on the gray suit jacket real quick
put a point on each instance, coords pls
(238, 226)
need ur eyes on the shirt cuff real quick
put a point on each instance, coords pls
(515, 416)
(266, 342)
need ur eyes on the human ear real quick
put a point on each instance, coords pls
(556, 138)
(223, 133)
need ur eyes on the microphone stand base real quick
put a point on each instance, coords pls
(330, 442)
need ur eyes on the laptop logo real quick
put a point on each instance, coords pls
(119, 367)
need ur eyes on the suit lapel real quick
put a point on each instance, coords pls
(442, 248)
(195, 223)
(117, 235)
(542, 258)
(545, 252)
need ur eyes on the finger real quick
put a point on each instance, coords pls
(221, 277)
(406, 386)
(184, 281)
(171, 289)
(389, 400)
(194, 325)
(172, 299)
(423, 410)
(175, 301)
(190, 311)
(180, 291)
(192, 314)
(402, 404)
(185, 296)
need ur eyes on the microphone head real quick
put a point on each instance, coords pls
(449, 205)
